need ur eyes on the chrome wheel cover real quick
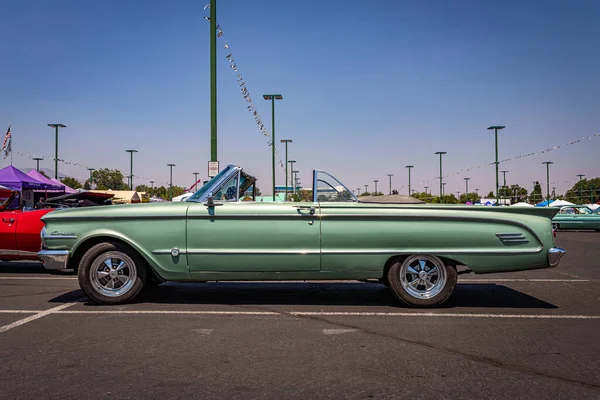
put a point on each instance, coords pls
(113, 274)
(423, 276)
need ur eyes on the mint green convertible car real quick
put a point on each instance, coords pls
(576, 217)
(416, 249)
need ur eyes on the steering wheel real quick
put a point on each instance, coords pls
(230, 193)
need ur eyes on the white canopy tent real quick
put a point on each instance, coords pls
(560, 203)
(521, 204)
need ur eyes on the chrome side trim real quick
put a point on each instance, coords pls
(554, 256)
(514, 238)
(8, 252)
(354, 252)
(59, 237)
(54, 259)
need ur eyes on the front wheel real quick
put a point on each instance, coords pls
(422, 280)
(111, 273)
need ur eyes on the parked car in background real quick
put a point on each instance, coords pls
(20, 228)
(576, 217)
(416, 249)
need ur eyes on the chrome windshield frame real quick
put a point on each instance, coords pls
(316, 173)
(215, 186)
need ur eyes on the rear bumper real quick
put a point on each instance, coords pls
(54, 259)
(554, 256)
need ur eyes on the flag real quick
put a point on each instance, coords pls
(6, 145)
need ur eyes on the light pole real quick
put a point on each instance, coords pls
(56, 126)
(580, 188)
(358, 191)
(273, 97)
(375, 181)
(152, 185)
(91, 169)
(390, 176)
(443, 188)
(286, 141)
(131, 168)
(291, 162)
(171, 181)
(426, 187)
(366, 188)
(409, 167)
(504, 188)
(441, 153)
(295, 177)
(477, 192)
(38, 159)
(548, 181)
(467, 186)
(496, 128)
(196, 179)
(213, 80)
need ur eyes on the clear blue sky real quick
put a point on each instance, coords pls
(368, 86)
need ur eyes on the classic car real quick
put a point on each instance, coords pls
(20, 228)
(416, 249)
(576, 217)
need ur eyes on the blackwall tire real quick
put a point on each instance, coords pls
(112, 273)
(422, 280)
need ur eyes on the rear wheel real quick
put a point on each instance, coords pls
(111, 273)
(422, 280)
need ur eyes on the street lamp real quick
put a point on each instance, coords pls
(358, 191)
(91, 169)
(295, 177)
(390, 176)
(441, 153)
(426, 187)
(291, 162)
(56, 126)
(366, 188)
(273, 97)
(409, 167)
(443, 188)
(375, 181)
(580, 188)
(477, 192)
(496, 128)
(171, 182)
(152, 185)
(38, 159)
(286, 141)
(131, 168)
(548, 181)
(467, 186)
(195, 179)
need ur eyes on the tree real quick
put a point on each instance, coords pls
(589, 188)
(491, 195)
(109, 179)
(71, 182)
(536, 195)
(365, 194)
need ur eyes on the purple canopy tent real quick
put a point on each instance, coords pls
(38, 176)
(18, 180)
(67, 189)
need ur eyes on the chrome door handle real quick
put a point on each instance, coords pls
(310, 209)
(9, 220)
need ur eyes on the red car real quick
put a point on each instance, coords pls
(20, 230)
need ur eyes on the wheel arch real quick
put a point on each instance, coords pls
(399, 258)
(83, 246)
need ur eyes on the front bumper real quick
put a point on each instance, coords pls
(554, 256)
(54, 259)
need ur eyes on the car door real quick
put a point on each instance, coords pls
(253, 237)
(8, 230)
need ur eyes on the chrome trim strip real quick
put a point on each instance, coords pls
(351, 251)
(64, 217)
(8, 252)
(59, 237)
(247, 216)
(165, 251)
(252, 252)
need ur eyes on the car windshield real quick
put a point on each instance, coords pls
(329, 189)
(202, 191)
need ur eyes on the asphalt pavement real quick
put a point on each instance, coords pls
(533, 334)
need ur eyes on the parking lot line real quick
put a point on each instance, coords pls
(38, 278)
(34, 317)
(523, 280)
(61, 311)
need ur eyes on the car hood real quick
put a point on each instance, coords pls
(158, 210)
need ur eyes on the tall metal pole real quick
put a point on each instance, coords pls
(409, 167)
(171, 182)
(426, 187)
(213, 80)
(91, 169)
(152, 185)
(467, 187)
(390, 176)
(56, 126)
(496, 129)
(273, 141)
(580, 188)
(38, 159)
(548, 181)
(358, 191)
(375, 181)
(196, 179)
(366, 188)
(443, 188)
(293, 183)
(441, 153)
(286, 141)
(131, 168)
